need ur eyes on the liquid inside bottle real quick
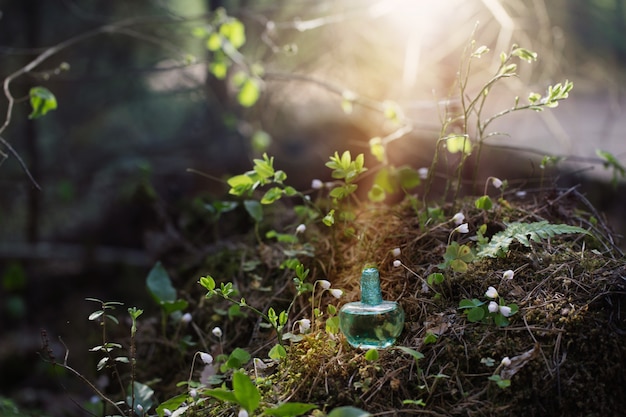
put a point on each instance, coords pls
(371, 323)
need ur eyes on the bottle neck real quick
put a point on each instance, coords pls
(370, 287)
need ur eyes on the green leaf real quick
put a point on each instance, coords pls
(525, 54)
(329, 219)
(277, 352)
(246, 392)
(171, 404)
(332, 325)
(249, 92)
(254, 209)
(260, 140)
(290, 409)
(371, 355)
(235, 32)
(610, 161)
(160, 285)
(435, 278)
(144, 396)
(236, 360)
(208, 282)
(474, 302)
(377, 149)
(95, 315)
(500, 320)
(458, 265)
(222, 394)
(264, 167)
(42, 101)
(214, 42)
(408, 177)
(272, 195)
(171, 306)
(416, 355)
(219, 69)
(483, 203)
(480, 51)
(458, 143)
(376, 194)
(430, 338)
(502, 383)
(239, 184)
(476, 314)
(348, 411)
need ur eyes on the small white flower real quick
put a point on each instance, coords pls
(506, 361)
(397, 263)
(217, 332)
(324, 284)
(301, 228)
(186, 318)
(206, 358)
(337, 293)
(508, 274)
(193, 393)
(491, 293)
(304, 325)
(493, 307)
(463, 228)
(423, 173)
(458, 218)
(140, 408)
(496, 182)
(520, 194)
(396, 252)
(242, 413)
(317, 184)
(505, 311)
(167, 412)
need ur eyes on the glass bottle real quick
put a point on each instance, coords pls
(371, 323)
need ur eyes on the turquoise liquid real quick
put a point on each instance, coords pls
(371, 326)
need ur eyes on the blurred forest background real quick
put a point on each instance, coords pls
(134, 114)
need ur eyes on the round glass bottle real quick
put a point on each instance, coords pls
(371, 323)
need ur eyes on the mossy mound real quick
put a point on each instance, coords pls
(565, 346)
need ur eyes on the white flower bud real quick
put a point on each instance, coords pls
(396, 252)
(506, 361)
(496, 182)
(317, 184)
(520, 194)
(335, 292)
(242, 413)
(193, 393)
(423, 173)
(167, 412)
(463, 228)
(217, 332)
(508, 274)
(186, 318)
(491, 293)
(324, 283)
(397, 263)
(458, 218)
(505, 311)
(140, 408)
(206, 358)
(304, 325)
(301, 228)
(493, 307)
